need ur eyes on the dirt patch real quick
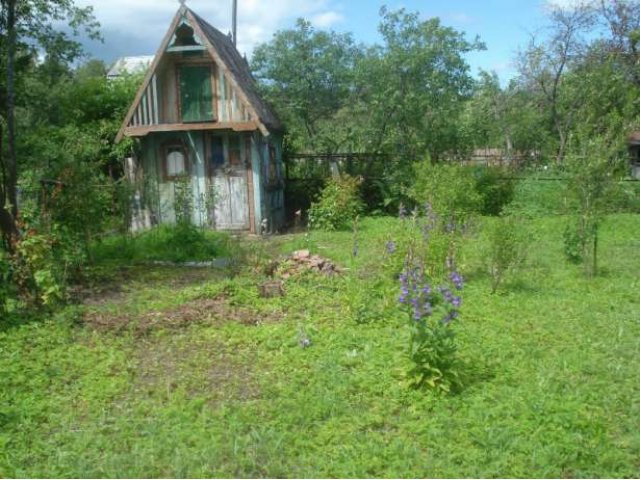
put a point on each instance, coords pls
(207, 311)
(95, 297)
(113, 288)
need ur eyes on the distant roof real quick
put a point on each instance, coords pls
(130, 65)
(240, 70)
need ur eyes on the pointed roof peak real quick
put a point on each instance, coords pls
(226, 55)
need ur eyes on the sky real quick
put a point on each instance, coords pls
(136, 27)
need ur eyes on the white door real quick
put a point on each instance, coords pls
(231, 197)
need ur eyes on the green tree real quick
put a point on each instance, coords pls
(308, 76)
(28, 26)
(544, 63)
(593, 166)
(505, 118)
(415, 85)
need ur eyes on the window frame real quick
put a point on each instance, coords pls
(175, 144)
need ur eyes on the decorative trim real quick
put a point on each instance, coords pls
(187, 127)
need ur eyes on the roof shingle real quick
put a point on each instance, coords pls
(239, 69)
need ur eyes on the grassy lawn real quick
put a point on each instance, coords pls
(171, 372)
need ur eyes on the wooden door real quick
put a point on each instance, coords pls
(229, 180)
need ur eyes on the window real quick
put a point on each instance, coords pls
(217, 152)
(196, 97)
(176, 161)
(185, 36)
(235, 155)
(273, 165)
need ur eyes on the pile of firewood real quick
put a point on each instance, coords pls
(300, 262)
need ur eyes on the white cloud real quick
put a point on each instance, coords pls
(327, 19)
(138, 26)
(565, 4)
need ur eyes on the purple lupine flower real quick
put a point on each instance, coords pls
(457, 280)
(453, 314)
(391, 247)
(426, 231)
(456, 302)
(402, 212)
(446, 293)
(404, 287)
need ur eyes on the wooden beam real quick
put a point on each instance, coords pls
(187, 127)
(188, 48)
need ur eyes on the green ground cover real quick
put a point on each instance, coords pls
(189, 373)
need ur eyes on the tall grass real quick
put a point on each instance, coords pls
(179, 243)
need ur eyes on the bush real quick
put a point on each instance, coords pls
(6, 288)
(44, 264)
(447, 188)
(338, 205)
(625, 198)
(496, 191)
(507, 249)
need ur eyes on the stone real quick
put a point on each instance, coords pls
(301, 255)
(271, 289)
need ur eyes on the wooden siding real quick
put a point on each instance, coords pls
(147, 112)
(160, 103)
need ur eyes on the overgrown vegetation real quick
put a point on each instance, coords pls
(178, 244)
(118, 363)
(338, 204)
(548, 368)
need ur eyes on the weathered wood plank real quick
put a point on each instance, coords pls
(143, 131)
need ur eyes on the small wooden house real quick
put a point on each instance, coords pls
(210, 148)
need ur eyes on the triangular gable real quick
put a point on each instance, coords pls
(148, 88)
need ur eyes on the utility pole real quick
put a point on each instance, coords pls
(235, 22)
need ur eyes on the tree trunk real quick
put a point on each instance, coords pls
(9, 207)
(12, 173)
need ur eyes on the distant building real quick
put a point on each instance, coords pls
(130, 65)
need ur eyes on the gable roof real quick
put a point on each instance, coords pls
(239, 70)
(225, 54)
